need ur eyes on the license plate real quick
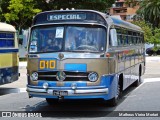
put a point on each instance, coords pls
(60, 93)
(46, 64)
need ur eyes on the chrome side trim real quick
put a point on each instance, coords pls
(70, 92)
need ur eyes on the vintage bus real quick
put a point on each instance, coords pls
(83, 54)
(9, 60)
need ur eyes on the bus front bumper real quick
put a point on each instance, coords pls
(41, 92)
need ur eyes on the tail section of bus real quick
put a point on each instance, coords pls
(9, 60)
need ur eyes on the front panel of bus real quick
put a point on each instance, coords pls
(68, 60)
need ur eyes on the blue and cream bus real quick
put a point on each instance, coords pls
(83, 54)
(9, 60)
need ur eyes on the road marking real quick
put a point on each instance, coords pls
(148, 80)
(151, 80)
(21, 90)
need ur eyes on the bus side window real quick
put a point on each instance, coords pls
(119, 36)
(134, 38)
(138, 39)
(142, 38)
(119, 39)
(110, 40)
(124, 38)
(127, 38)
(130, 35)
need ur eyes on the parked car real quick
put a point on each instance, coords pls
(150, 51)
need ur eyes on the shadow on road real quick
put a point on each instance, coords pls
(71, 108)
(77, 108)
(4, 91)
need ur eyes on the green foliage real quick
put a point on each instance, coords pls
(3, 8)
(100, 5)
(156, 38)
(150, 10)
(155, 48)
(20, 11)
(151, 36)
(147, 30)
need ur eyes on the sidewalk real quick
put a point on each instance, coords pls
(153, 58)
(22, 65)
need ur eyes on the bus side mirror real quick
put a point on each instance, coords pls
(113, 37)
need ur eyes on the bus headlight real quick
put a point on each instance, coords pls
(45, 85)
(93, 76)
(34, 76)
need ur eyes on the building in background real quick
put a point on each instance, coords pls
(126, 10)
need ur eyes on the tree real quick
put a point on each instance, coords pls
(151, 36)
(146, 27)
(150, 10)
(100, 5)
(21, 12)
(156, 38)
(3, 9)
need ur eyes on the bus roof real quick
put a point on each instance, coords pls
(68, 16)
(7, 27)
(125, 24)
(91, 16)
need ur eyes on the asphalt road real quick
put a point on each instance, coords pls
(146, 97)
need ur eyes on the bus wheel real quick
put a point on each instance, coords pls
(51, 101)
(114, 101)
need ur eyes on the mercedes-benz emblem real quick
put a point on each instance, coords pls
(61, 55)
(60, 76)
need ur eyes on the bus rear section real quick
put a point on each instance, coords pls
(9, 60)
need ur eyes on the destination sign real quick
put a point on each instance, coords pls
(77, 16)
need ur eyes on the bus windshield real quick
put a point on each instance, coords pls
(68, 38)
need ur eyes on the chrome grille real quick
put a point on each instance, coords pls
(70, 76)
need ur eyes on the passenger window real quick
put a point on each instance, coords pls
(118, 39)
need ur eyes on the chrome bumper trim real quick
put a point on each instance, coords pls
(70, 92)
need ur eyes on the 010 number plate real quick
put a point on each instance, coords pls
(47, 64)
(60, 93)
